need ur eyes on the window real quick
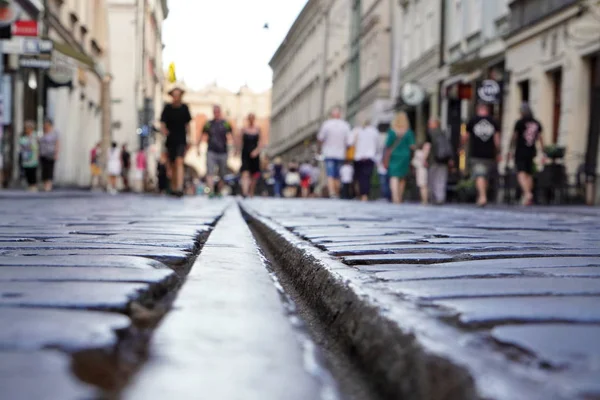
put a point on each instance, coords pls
(476, 16)
(429, 30)
(418, 31)
(457, 21)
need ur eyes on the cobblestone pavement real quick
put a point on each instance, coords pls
(512, 295)
(72, 266)
(85, 280)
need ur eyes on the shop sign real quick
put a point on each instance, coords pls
(25, 28)
(489, 91)
(33, 62)
(27, 46)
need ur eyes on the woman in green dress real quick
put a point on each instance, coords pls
(400, 142)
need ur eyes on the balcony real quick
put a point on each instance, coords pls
(525, 13)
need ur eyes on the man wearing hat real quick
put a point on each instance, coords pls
(175, 125)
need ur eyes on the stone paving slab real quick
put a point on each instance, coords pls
(81, 261)
(70, 330)
(40, 375)
(498, 311)
(91, 274)
(62, 257)
(84, 295)
(524, 309)
(228, 336)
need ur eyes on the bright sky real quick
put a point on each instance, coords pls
(224, 40)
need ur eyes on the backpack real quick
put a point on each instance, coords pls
(442, 148)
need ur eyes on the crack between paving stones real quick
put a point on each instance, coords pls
(111, 369)
(351, 381)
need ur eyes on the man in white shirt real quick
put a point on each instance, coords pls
(333, 137)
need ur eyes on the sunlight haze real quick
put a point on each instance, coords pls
(225, 41)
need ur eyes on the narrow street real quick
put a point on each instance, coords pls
(140, 297)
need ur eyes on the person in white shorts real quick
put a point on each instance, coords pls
(420, 163)
(114, 167)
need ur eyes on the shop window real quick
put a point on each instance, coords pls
(524, 90)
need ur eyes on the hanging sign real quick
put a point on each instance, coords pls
(489, 91)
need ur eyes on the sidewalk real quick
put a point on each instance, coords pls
(450, 303)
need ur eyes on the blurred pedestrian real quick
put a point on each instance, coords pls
(161, 173)
(384, 180)
(126, 167)
(30, 155)
(400, 142)
(419, 162)
(347, 179)
(366, 143)
(95, 169)
(483, 137)
(305, 176)
(139, 174)
(333, 137)
(114, 167)
(251, 142)
(440, 157)
(49, 145)
(315, 177)
(527, 132)
(219, 136)
(292, 180)
(175, 125)
(278, 177)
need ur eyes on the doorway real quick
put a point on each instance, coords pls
(591, 155)
(524, 90)
(556, 78)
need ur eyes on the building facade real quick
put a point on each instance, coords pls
(136, 59)
(72, 91)
(473, 52)
(369, 96)
(418, 42)
(298, 82)
(553, 55)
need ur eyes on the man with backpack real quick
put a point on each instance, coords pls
(440, 158)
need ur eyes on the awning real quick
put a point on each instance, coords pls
(69, 51)
(467, 66)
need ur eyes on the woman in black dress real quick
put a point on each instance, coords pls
(251, 141)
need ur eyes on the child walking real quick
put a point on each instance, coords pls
(347, 179)
(420, 163)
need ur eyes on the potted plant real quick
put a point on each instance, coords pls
(554, 152)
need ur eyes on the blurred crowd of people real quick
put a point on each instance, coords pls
(350, 161)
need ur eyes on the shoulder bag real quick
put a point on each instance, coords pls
(387, 154)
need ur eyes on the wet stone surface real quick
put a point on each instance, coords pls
(40, 375)
(70, 265)
(229, 336)
(520, 280)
